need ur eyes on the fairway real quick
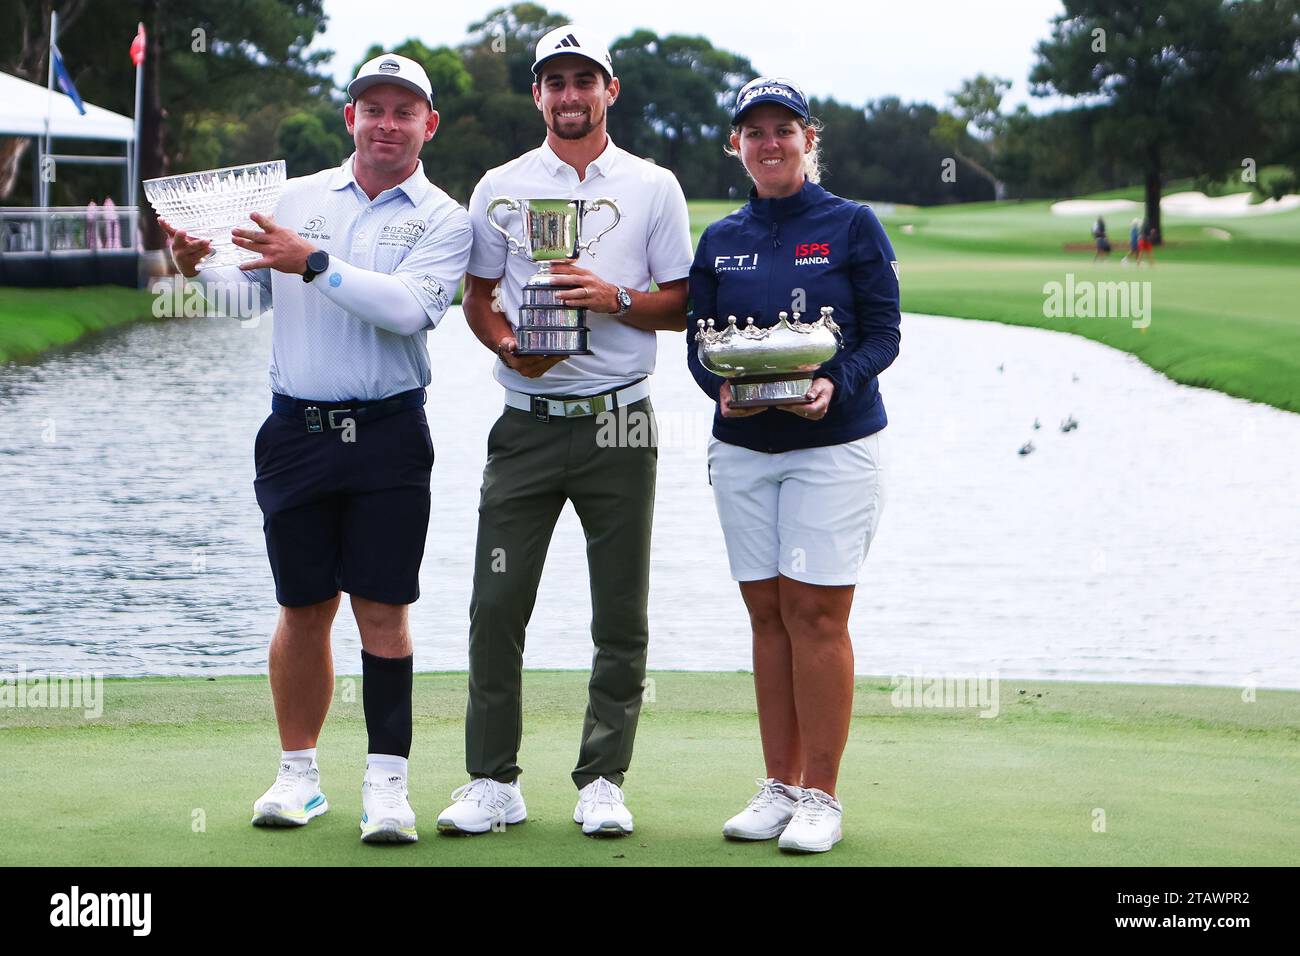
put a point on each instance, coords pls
(1177, 775)
(1223, 315)
(34, 320)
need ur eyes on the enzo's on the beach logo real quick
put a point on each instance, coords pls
(75, 908)
(84, 692)
(402, 234)
(1086, 299)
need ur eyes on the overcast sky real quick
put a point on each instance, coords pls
(914, 49)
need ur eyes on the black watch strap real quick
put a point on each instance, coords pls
(317, 262)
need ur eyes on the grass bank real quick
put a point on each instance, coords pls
(33, 321)
(1066, 773)
(1222, 303)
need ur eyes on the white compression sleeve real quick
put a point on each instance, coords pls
(378, 298)
(234, 293)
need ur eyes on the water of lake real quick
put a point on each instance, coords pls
(1159, 541)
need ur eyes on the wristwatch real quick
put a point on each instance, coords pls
(317, 262)
(624, 301)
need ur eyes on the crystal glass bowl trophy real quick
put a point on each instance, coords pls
(768, 366)
(210, 203)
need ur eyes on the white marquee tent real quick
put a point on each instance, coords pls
(23, 108)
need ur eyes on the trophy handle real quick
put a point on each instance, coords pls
(514, 244)
(596, 204)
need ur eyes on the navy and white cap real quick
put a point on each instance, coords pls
(576, 40)
(391, 68)
(771, 89)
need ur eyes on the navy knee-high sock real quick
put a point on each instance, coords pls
(386, 699)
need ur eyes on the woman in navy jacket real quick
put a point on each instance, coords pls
(799, 488)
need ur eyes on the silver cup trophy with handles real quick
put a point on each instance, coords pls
(552, 232)
(768, 366)
(210, 203)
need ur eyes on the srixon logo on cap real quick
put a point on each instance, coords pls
(760, 90)
(390, 66)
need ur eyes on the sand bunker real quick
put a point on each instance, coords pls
(1180, 204)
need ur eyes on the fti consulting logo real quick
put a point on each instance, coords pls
(744, 263)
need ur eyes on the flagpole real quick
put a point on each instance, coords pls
(45, 150)
(135, 147)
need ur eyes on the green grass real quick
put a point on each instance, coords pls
(1184, 775)
(1223, 315)
(33, 321)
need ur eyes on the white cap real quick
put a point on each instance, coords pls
(576, 40)
(391, 68)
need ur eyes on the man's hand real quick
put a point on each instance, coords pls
(819, 395)
(187, 253)
(529, 366)
(724, 402)
(281, 249)
(589, 290)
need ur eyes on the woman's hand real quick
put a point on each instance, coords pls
(724, 402)
(819, 394)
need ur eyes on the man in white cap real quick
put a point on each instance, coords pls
(360, 262)
(546, 448)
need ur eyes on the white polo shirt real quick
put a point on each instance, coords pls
(651, 242)
(414, 231)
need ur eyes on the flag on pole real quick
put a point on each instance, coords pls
(65, 80)
(137, 46)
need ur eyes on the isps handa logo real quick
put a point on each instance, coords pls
(812, 253)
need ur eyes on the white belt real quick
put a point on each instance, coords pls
(544, 408)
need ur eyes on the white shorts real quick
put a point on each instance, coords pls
(809, 514)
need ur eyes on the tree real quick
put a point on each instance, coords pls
(977, 105)
(673, 108)
(1175, 78)
(305, 143)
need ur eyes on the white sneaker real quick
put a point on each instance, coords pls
(293, 799)
(386, 814)
(483, 804)
(815, 826)
(767, 812)
(600, 810)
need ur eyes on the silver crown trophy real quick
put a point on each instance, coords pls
(768, 366)
(552, 231)
(210, 203)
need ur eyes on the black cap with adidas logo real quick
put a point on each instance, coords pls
(573, 39)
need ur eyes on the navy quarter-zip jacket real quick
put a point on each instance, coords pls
(816, 248)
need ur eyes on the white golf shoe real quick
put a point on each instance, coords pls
(293, 799)
(600, 810)
(386, 814)
(766, 814)
(481, 805)
(815, 826)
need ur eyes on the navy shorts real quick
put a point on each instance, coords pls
(345, 515)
